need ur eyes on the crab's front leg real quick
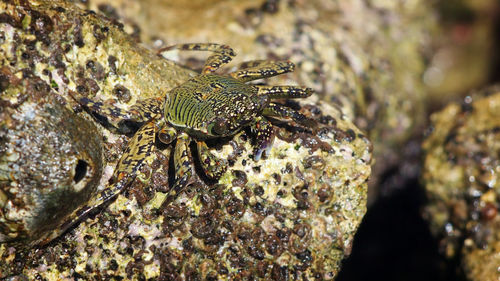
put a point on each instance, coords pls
(280, 111)
(213, 166)
(141, 111)
(182, 159)
(167, 134)
(264, 132)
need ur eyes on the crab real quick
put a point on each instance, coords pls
(205, 107)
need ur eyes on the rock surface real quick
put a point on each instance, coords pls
(367, 57)
(48, 155)
(292, 214)
(461, 175)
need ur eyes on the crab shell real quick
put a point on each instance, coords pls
(209, 100)
(50, 163)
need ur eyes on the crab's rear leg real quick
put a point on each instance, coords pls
(213, 166)
(141, 111)
(264, 132)
(259, 71)
(137, 152)
(222, 54)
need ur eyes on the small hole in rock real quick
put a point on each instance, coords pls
(80, 170)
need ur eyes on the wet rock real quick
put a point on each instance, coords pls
(50, 161)
(292, 213)
(367, 58)
(461, 176)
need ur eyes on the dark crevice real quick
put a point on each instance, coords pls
(80, 170)
(394, 242)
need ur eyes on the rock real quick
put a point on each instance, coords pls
(366, 58)
(47, 51)
(51, 161)
(292, 214)
(461, 176)
(461, 59)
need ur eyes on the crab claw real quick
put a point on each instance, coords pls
(213, 166)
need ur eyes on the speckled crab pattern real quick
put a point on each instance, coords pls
(205, 107)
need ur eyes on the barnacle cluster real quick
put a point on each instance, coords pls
(461, 175)
(292, 214)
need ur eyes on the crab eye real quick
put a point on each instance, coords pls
(220, 126)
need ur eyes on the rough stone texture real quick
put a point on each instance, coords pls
(53, 51)
(290, 215)
(461, 175)
(48, 155)
(366, 56)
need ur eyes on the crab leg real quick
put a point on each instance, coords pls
(265, 136)
(138, 150)
(263, 71)
(142, 111)
(223, 54)
(284, 92)
(251, 64)
(182, 164)
(278, 110)
(213, 167)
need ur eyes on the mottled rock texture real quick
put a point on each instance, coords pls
(367, 57)
(292, 214)
(461, 175)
